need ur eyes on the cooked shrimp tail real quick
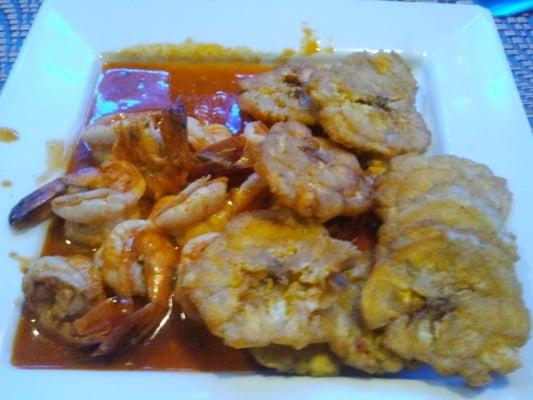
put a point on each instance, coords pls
(36, 207)
(174, 132)
(87, 196)
(102, 194)
(177, 115)
(225, 152)
(147, 321)
(137, 260)
(62, 289)
(222, 158)
(102, 318)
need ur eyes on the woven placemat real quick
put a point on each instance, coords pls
(16, 17)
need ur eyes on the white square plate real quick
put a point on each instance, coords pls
(467, 94)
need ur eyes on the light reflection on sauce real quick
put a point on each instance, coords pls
(208, 91)
(8, 135)
(126, 89)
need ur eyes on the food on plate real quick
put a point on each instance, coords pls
(88, 196)
(279, 95)
(67, 295)
(154, 141)
(93, 234)
(95, 195)
(255, 132)
(91, 201)
(137, 259)
(366, 102)
(251, 194)
(201, 136)
(348, 336)
(192, 205)
(312, 175)
(264, 280)
(314, 360)
(443, 288)
(431, 180)
(306, 233)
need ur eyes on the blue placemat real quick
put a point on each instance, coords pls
(16, 17)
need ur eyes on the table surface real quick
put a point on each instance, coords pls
(16, 17)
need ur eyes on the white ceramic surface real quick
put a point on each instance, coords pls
(467, 94)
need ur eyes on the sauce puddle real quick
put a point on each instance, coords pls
(209, 92)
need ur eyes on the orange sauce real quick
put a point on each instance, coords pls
(207, 90)
(55, 160)
(310, 44)
(8, 135)
(180, 345)
(6, 183)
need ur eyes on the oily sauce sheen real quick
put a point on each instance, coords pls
(209, 92)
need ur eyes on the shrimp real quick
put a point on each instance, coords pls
(251, 194)
(201, 136)
(312, 175)
(194, 204)
(230, 156)
(106, 193)
(263, 280)
(67, 296)
(88, 196)
(367, 103)
(100, 136)
(107, 137)
(204, 206)
(155, 142)
(222, 159)
(93, 235)
(137, 260)
(254, 133)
